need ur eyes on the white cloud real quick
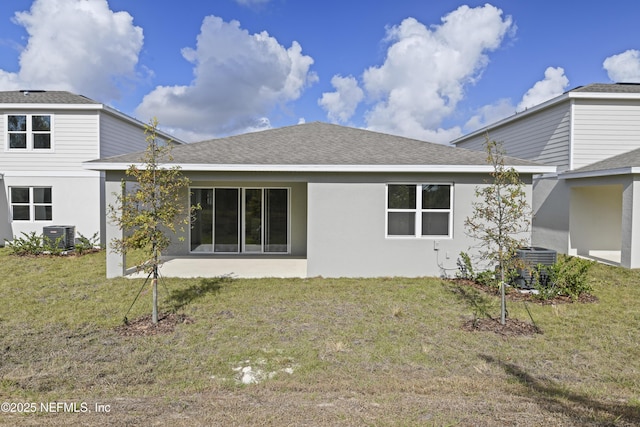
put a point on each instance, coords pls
(426, 69)
(252, 3)
(341, 104)
(624, 67)
(490, 114)
(239, 78)
(76, 45)
(9, 81)
(553, 84)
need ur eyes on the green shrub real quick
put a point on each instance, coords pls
(87, 244)
(465, 268)
(36, 244)
(488, 278)
(52, 247)
(467, 272)
(29, 244)
(569, 276)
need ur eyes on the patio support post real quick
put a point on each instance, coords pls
(630, 256)
(116, 262)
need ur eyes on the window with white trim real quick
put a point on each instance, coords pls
(31, 203)
(419, 210)
(28, 132)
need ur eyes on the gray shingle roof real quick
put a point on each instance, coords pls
(621, 161)
(320, 144)
(609, 88)
(43, 97)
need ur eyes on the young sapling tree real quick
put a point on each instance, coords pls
(153, 208)
(500, 220)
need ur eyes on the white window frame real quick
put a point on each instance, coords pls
(31, 204)
(418, 211)
(29, 133)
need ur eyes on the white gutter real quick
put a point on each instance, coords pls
(323, 168)
(600, 173)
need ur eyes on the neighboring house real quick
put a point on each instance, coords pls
(591, 207)
(351, 202)
(46, 137)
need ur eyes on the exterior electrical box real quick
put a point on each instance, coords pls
(64, 235)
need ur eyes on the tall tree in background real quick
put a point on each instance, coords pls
(156, 206)
(500, 220)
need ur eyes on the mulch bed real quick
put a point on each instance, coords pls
(513, 294)
(512, 327)
(144, 326)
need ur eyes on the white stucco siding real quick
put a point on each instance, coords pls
(75, 201)
(542, 136)
(596, 219)
(347, 235)
(119, 136)
(74, 139)
(630, 256)
(297, 211)
(604, 129)
(550, 209)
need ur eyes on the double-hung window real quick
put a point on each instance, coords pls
(419, 210)
(28, 131)
(31, 203)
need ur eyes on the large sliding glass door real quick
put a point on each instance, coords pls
(276, 206)
(226, 220)
(202, 221)
(251, 220)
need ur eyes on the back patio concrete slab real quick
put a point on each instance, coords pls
(242, 268)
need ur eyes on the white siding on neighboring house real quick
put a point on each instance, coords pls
(542, 136)
(79, 132)
(603, 129)
(119, 136)
(75, 201)
(74, 139)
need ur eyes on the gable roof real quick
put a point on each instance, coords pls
(321, 147)
(622, 164)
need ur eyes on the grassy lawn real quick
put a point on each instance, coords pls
(322, 352)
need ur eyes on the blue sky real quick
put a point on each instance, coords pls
(427, 69)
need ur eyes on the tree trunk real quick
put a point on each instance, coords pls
(154, 316)
(503, 303)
